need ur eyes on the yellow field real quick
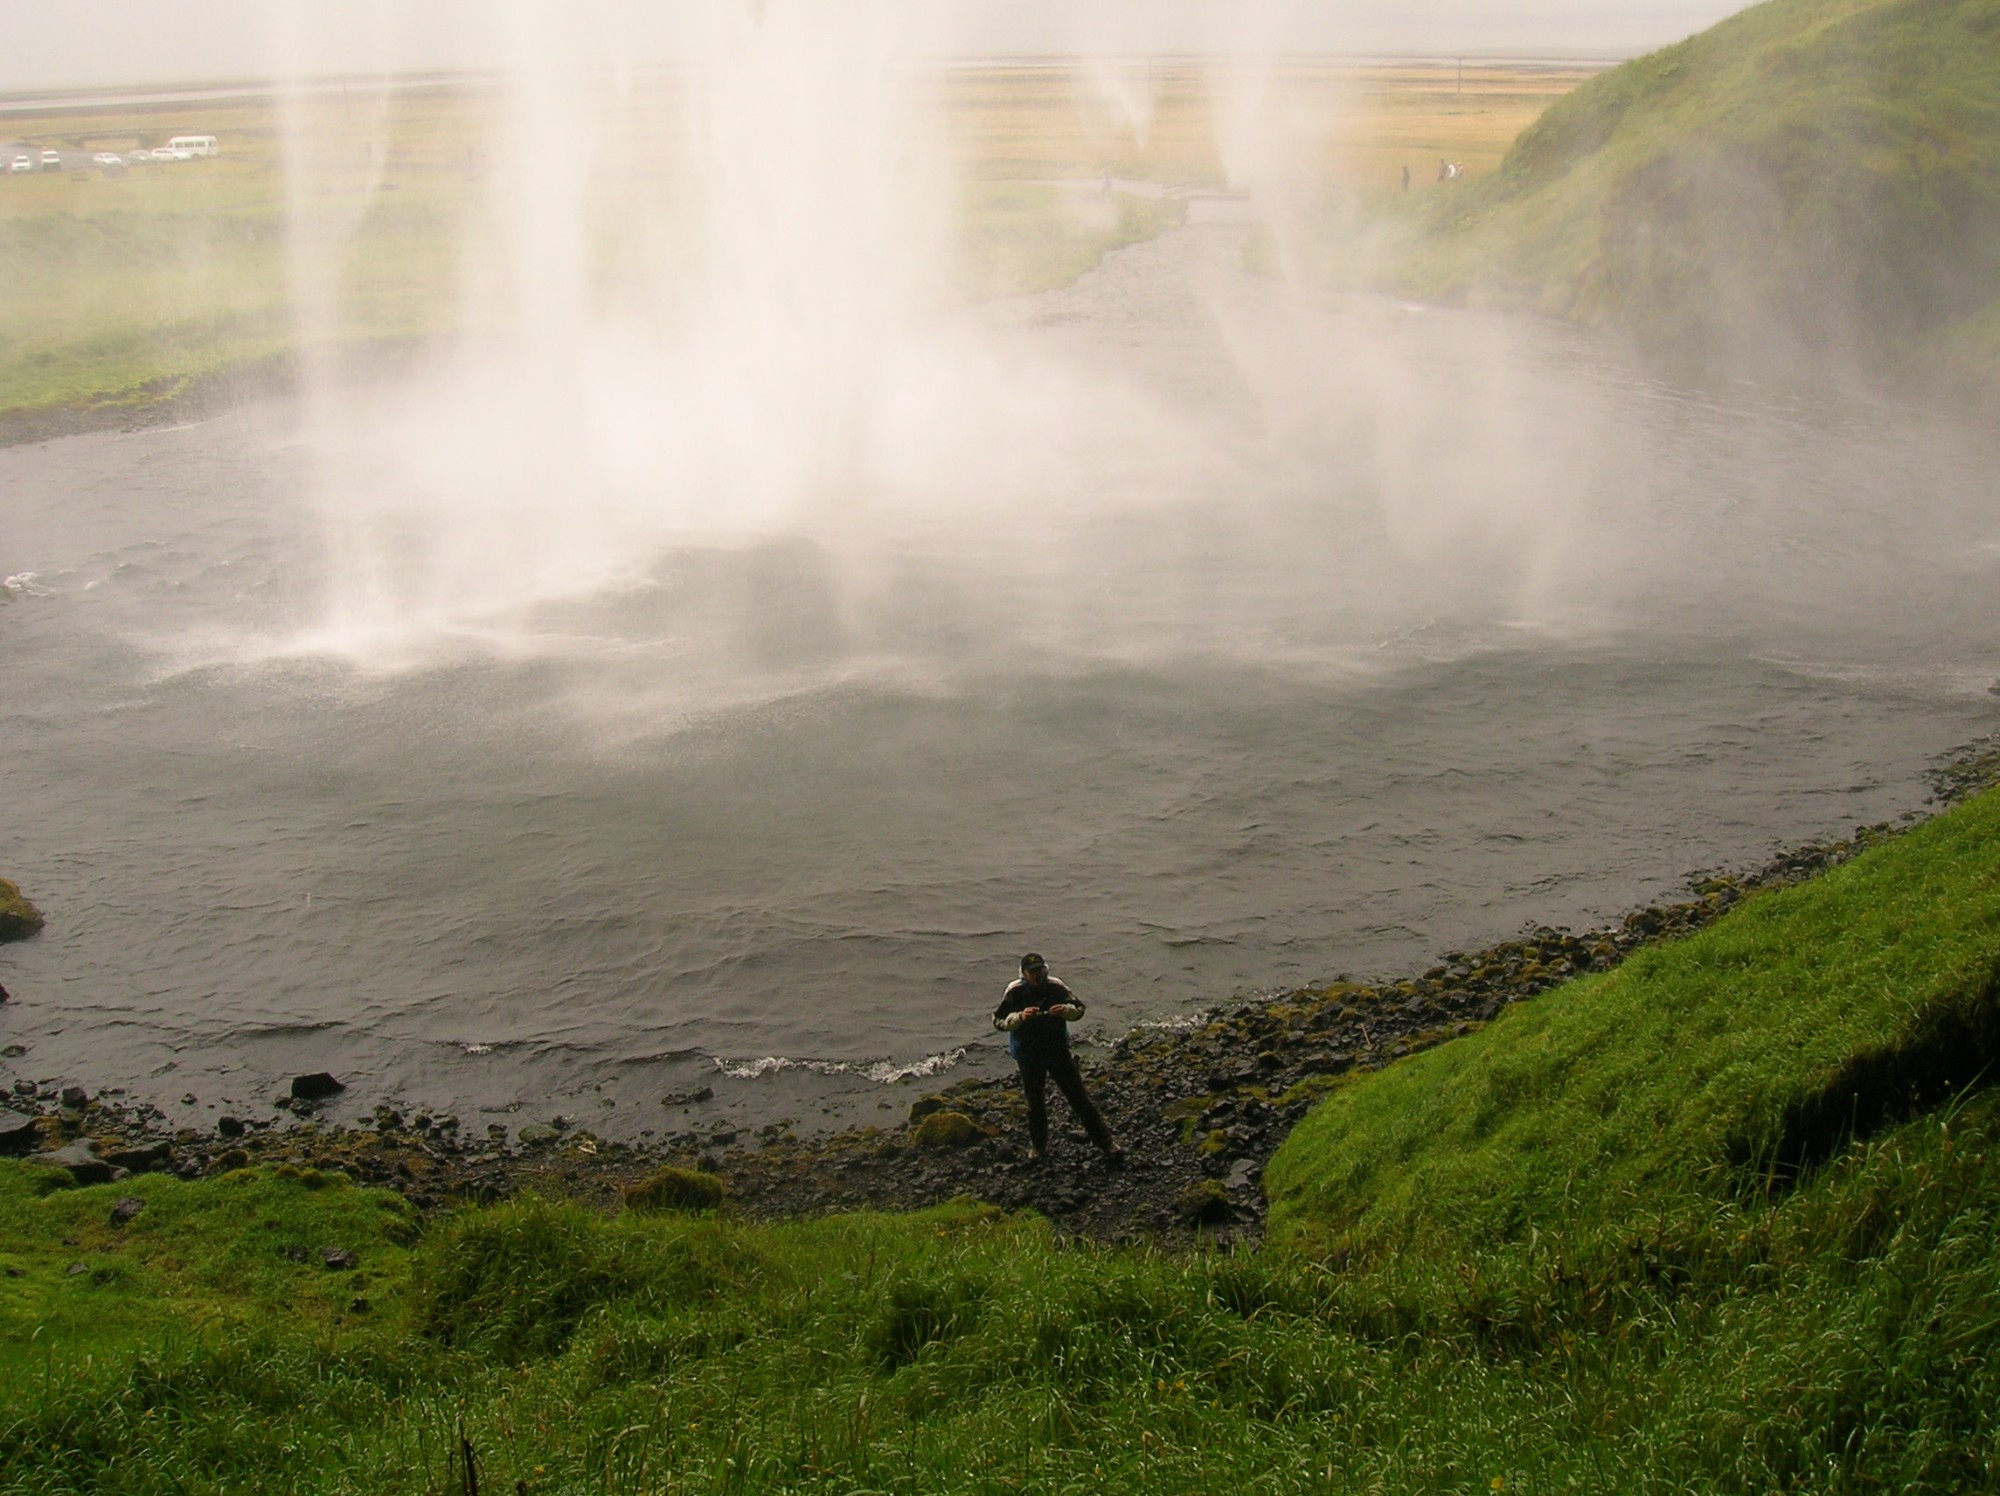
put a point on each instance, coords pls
(120, 287)
(1352, 125)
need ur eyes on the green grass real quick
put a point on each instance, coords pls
(1714, 1067)
(1723, 1219)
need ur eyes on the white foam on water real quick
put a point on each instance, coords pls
(882, 1071)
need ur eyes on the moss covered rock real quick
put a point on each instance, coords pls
(1205, 1202)
(676, 1189)
(947, 1130)
(18, 918)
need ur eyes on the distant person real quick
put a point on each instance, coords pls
(1406, 179)
(1035, 1013)
(1443, 170)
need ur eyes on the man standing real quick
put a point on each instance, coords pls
(1035, 1013)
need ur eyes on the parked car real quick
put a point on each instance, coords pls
(21, 163)
(51, 160)
(138, 157)
(108, 161)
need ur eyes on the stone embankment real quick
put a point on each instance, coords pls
(1198, 1111)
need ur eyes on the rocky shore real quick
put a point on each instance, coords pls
(1199, 1111)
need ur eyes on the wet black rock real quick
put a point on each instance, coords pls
(315, 1087)
(125, 1208)
(139, 1157)
(230, 1127)
(83, 1162)
(17, 1131)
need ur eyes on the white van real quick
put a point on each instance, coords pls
(194, 145)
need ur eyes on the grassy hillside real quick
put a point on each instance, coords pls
(1810, 181)
(1723, 1219)
(1740, 1192)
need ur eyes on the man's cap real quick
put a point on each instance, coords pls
(1030, 961)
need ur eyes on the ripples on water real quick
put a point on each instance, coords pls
(1334, 638)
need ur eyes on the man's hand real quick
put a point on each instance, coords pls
(1027, 1013)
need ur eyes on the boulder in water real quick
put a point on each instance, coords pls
(315, 1087)
(18, 918)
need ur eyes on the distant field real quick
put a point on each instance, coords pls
(118, 290)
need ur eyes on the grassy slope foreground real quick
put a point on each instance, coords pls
(1809, 181)
(1721, 1219)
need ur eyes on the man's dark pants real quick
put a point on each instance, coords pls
(1036, 1073)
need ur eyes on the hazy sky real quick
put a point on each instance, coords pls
(64, 43)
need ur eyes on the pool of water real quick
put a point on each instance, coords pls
(1253, 639)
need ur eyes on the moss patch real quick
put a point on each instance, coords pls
(18, 918)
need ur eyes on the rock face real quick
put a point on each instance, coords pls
(18, 918)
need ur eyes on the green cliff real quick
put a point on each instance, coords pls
(1811, 184)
